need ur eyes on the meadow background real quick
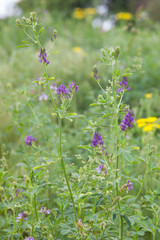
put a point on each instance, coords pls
(78, 45)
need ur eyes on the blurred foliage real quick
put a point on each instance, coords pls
(136, 6)
(65, 7)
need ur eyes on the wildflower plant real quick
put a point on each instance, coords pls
(96, 196)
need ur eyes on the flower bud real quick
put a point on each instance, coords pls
(117, 52)
(95, 70)
(103, 52)
(24, 19)
(18, 21)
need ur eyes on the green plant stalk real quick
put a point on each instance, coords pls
(45, 71)
(63, 167)
(14, 226)
(117, 142)
(35, 206)
(32, 216)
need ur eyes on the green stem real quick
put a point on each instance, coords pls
(121, 228)
(35, 206)
(63, 166)
(14, 226)
(117, 141)
(116, 127)
(45, 72)
(29, 105)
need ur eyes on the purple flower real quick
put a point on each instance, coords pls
(128, 121)
(124, 84)
(18, 191)
(21, 216)
(43, 56)
(44, 210)
(62, 90)
(129, 186)
(53, 87)
(73, 87)
(97, 139)
(43, 97)
(29, 238)
(100, 168)
(29, 140)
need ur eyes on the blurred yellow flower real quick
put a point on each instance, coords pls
(151, 119)
(78, 13)
(79, 50)
(137, 148)
(148, 95)
(123, 15)
(146, 120)
(156, 125)
(141, 124)
(90, 11)
(147, 123)
(148, 128)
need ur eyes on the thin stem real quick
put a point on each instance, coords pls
(33, 112)
(121, 228)
(139, 190)
(116, 126)
(63, 166)
(117, 141)
(35, 206)
(29, 36)
(45, 72)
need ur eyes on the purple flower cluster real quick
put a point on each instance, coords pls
(95, 73)
(128, 121)
(124, 84)
(18, 191)
(43, 56)
(97, 139)
(29, 238)
(21, 216)
(43, 97)
(73, 87)
(129, 186)
(29, 140)
(54, 34)
(44, 210)
(62, 91)
(100, 168)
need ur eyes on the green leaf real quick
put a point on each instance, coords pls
(126, 219)
(41, 30)
(94, 104)
(106, 115)
(26, 42)
(114, 216)
(127, 156)
(157, 235)
(42, 166)
(86, 147)
(21, 46)
(126, 74)
(139, 158)
(99, 201)
(53, 52)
